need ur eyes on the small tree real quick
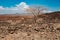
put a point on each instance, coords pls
(36, 11)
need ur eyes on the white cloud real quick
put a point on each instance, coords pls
(1, 8)
(22, 4)
(46, 11)
(20, 8)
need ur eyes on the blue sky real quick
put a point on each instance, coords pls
(53, 5)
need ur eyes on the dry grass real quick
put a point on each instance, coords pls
(47, 27)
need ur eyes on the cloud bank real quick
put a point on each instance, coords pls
(20, 8)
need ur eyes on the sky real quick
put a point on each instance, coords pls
(18, 6)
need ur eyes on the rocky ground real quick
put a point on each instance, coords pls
(46, 27)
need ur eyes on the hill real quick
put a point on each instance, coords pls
(19, 27)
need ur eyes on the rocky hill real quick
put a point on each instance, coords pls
(17, 27)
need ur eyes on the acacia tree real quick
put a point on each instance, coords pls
(36, 11)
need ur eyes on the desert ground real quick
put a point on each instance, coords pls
(46, 27)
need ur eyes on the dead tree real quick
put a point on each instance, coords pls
(36, 11)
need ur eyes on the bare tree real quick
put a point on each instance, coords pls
(36, 11)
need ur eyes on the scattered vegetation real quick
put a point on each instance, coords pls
(44, 25)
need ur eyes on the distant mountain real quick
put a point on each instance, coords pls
(51, 17)
(47, 16)
(52, 14)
